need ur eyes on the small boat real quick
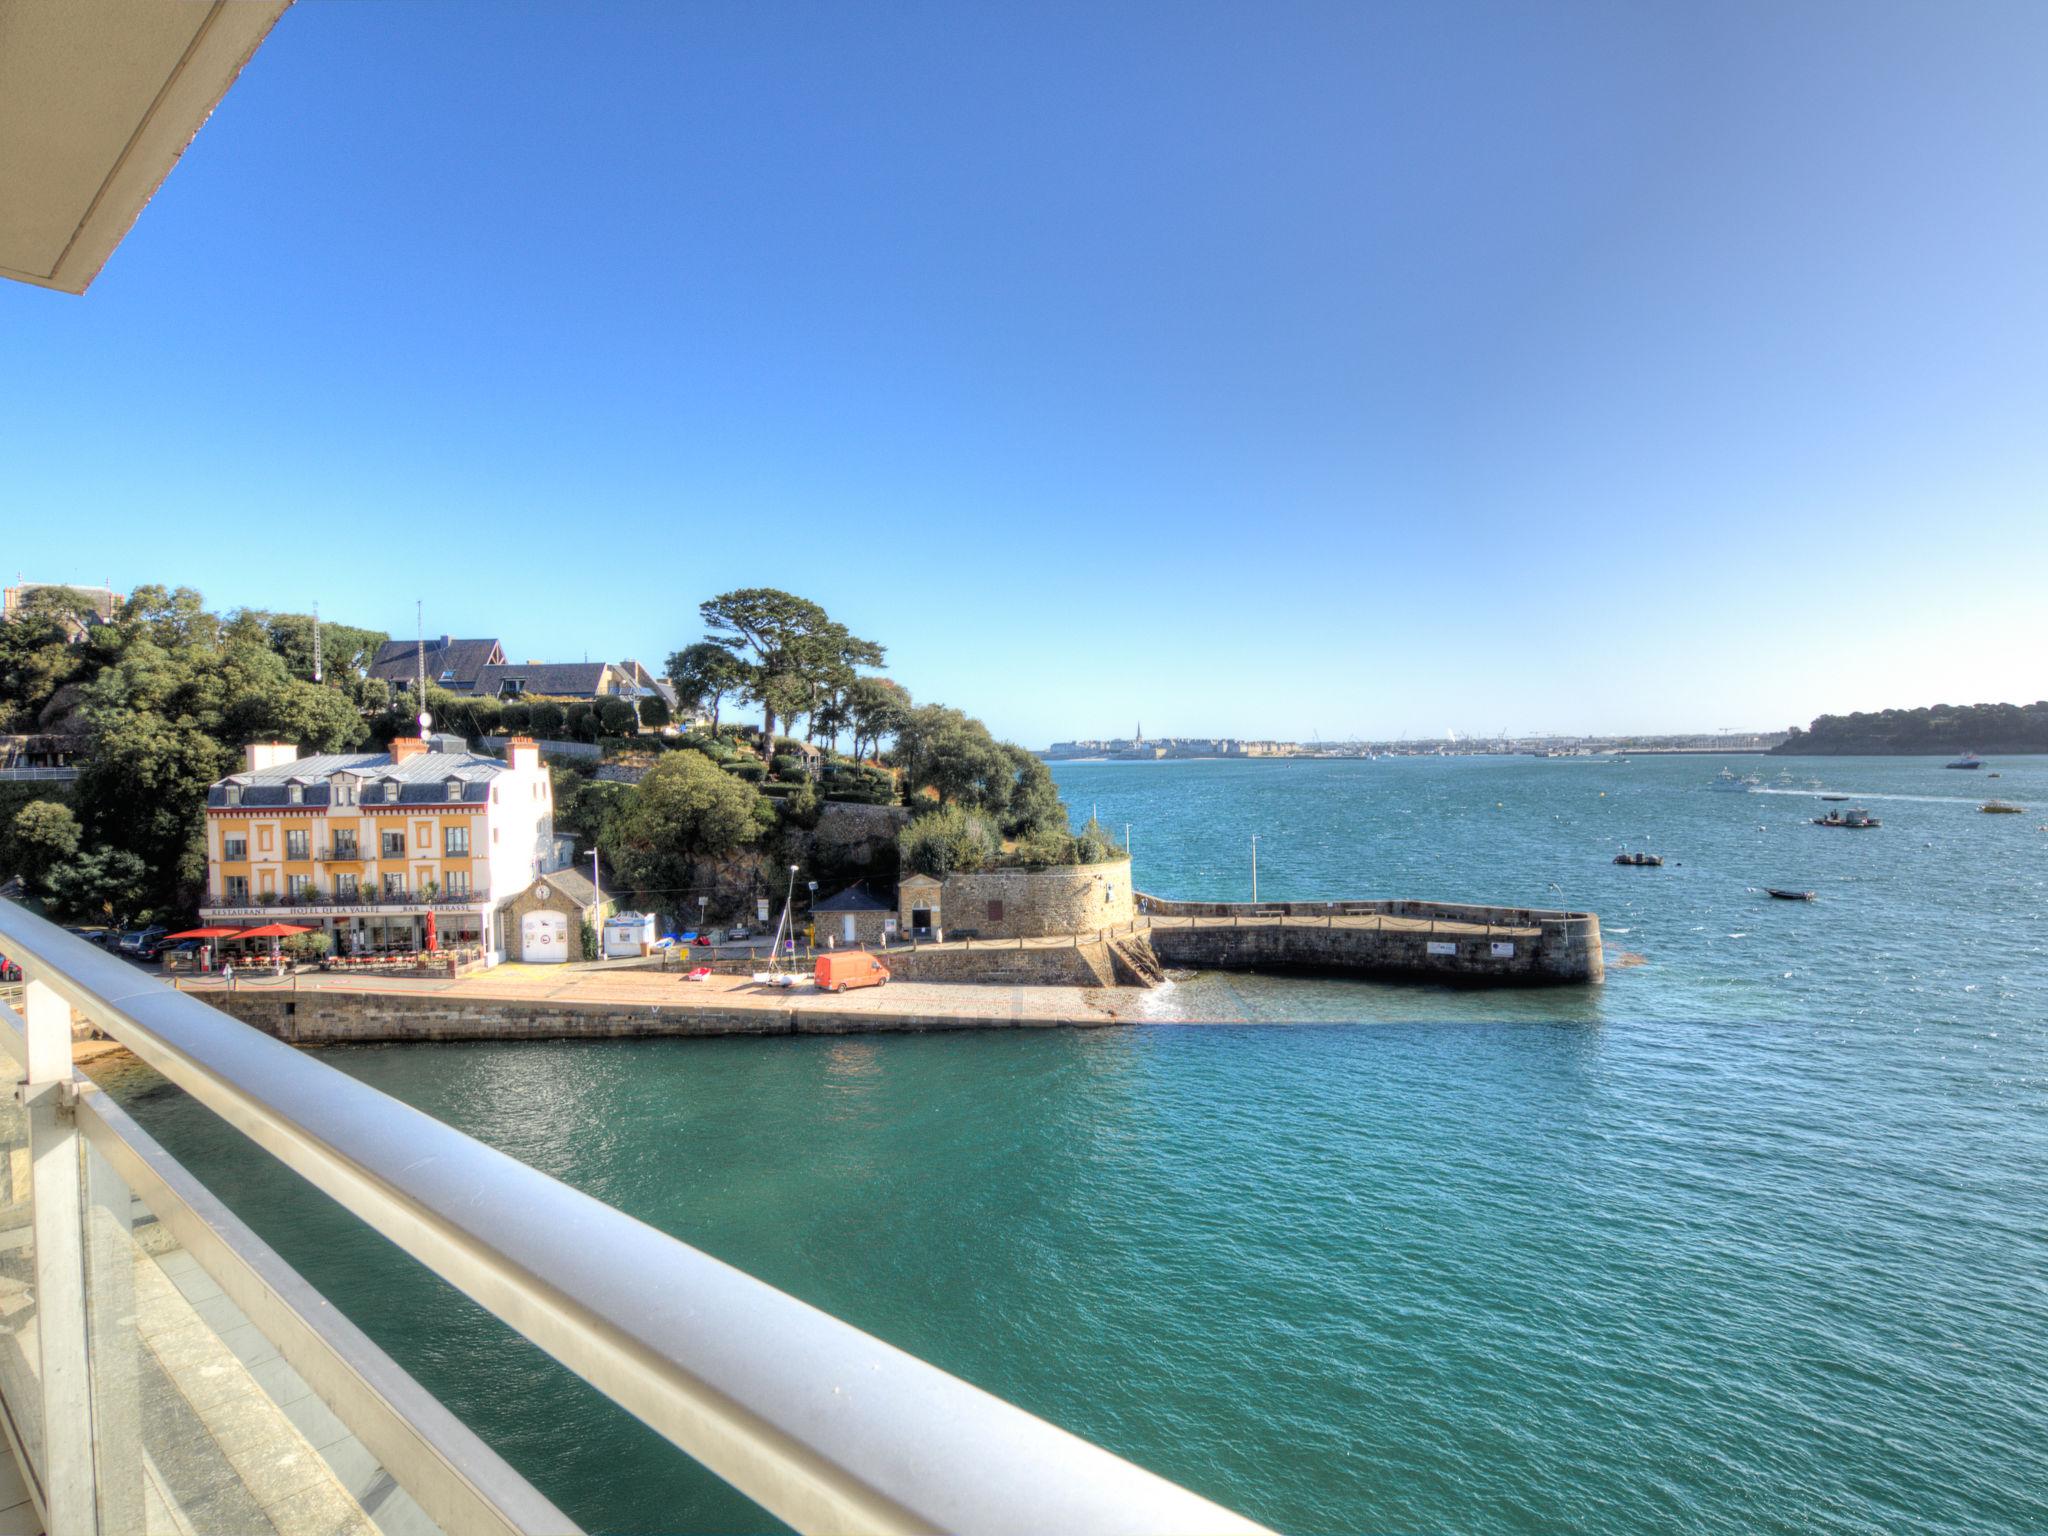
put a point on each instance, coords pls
(1834, 797)
(2001, 808)
(1855, 817)
(1783, 895)
(1967, 760)
(1728, 784)
(1645, 860)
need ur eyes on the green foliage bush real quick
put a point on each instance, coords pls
(515, 719)
(788, 767)
(618, 718)
(949, 839)
(752, 769)
(685, 810)
(544, 718)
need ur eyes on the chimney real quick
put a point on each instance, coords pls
(268, 754)
(403, 747)
(521, 753)
(446, 641)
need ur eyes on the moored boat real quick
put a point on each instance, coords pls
(1646, 860)
(2001, 808)
(1785, 895)
(1855, 817)
(1967, 760)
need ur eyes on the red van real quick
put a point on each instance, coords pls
(840, 969)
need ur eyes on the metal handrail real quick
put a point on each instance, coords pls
(825, 1426)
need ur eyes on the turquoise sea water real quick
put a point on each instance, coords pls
(1753, 1238)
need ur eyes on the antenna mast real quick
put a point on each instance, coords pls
(419, 648)
(316, 642)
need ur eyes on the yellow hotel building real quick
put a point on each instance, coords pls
(363, 845)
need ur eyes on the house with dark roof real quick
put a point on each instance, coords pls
(554, 680)
(855, 915)
(451, 664)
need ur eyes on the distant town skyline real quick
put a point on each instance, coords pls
(1325, 369)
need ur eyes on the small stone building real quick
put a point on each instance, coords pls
(544, 922)
(850, 917)
(1019, 903)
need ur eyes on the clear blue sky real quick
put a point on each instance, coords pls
(1265, 369)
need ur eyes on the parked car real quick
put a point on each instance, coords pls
(140, 939)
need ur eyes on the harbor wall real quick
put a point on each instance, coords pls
(340, 1018)
(1446, 941)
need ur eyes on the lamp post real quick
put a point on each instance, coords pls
(1255, 869)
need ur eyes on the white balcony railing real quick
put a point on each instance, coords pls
(823, 1425)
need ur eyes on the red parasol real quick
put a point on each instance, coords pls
(205, 933)
(269, 931)
(431, 932)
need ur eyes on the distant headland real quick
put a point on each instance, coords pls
(1137, 748)
(2011, 729)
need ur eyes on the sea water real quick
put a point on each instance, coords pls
(1752, 1238)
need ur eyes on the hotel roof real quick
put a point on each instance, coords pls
(422, 778)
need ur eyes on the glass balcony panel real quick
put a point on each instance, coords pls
(21, 1396)
(202, 1425)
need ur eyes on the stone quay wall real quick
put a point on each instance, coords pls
(1544, 946)
(343, 1018)
(1038, 903)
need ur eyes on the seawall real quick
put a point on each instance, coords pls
(1453, 942)
(316, 1017)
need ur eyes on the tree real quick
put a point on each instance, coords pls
(704, 675)
(685, 809)
(654, 712)
(875, 707)
(617, 717)
(43, 835)
(105, 885)
(40, 653)
(345, 651)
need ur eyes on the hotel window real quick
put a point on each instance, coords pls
(295, 794)
(455, 840)
(344, 887)
(343, 792)
(391, 793)
(234, 794)
(298, 885)
(394, 845)
(344, 845)
(235, 888)
(454, 789)
(296, 844)
(234, 849)
(458, 882)
(394, 885)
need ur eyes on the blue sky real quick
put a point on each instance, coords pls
(1263, 369)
